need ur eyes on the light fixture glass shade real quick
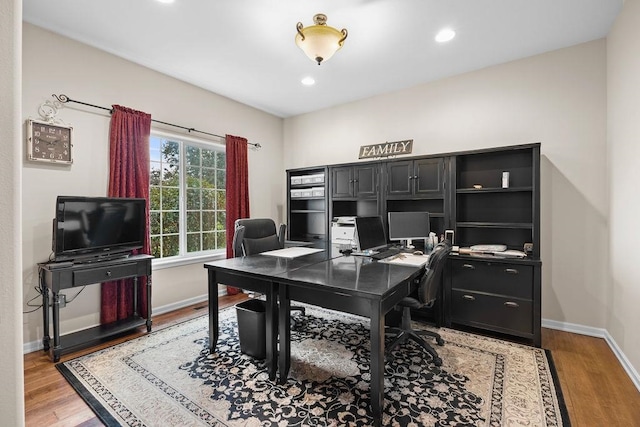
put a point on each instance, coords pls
(319, 42)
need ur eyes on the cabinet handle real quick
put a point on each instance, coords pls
(415, 177)
(511, 271)
(108, 273)
(512, 304)
(469, 266)
(469, 297)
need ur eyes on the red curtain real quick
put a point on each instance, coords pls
(237, 189)
(128, 177)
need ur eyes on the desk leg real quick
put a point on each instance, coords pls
(284, 327)
(213, 311)
(377, 361)
(271, 330)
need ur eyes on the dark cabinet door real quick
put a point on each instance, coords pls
(400, 178)
(415, 178)
(354, 182)
(342, 182)
(366, 181)
(428, 178)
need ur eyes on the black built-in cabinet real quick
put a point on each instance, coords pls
(500, 295)
(463, 192)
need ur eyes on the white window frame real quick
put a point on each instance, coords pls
(185, 258)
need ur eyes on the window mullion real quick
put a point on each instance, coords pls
(182, 199)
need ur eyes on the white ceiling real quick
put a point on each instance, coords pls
(245, 50)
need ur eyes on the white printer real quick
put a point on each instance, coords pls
(343, 229)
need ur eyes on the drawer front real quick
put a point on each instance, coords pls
(104, 274)
(514, 280)
(498, 313)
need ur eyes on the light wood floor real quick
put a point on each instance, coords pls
(596, 389)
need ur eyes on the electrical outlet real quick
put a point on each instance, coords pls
(62, 299)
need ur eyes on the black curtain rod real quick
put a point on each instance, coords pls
(63, 99)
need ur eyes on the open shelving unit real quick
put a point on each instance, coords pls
(307, 214)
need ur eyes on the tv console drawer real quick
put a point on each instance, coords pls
(514, 280)
(104, 274)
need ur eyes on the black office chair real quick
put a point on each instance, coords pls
(255, 235)
(430, 284)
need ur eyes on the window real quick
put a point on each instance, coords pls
(187, 197)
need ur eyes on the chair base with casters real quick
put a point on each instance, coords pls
(429, 287)
(405, 332)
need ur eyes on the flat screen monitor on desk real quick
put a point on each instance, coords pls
(406, 226)
(369, 232)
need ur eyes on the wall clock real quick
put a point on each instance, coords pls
(49, 142)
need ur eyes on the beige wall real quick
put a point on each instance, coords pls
(623, 83)
(11, 368)
(55, 64)
(558, 99)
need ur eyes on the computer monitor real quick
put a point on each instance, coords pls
(406, 226)
(370, 233)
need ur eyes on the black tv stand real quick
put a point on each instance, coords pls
(54, 278)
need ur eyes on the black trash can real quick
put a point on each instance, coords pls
(251, 328)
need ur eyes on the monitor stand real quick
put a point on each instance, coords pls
(407, 244)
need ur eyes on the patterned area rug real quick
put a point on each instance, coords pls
(167, 378)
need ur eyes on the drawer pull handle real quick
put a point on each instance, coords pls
(469, 266)
(469, 297)
(512, 304)
(108, 273)
(511, 271)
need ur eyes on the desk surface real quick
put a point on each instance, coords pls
(357, 276)
(266, 266)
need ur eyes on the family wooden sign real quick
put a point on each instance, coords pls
(386, 149)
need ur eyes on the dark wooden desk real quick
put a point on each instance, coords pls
(349, 284)
(257, 273)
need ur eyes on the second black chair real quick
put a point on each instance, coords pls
(255, 235)
(428, 290)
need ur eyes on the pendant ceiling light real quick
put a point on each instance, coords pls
(319, 42)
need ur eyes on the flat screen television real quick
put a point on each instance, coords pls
(93, 228)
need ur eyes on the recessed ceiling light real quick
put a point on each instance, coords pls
(166, 1)
(445, 35)
(308, 81)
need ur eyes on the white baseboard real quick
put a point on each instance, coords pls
(598, 333)
(32, 346)
(181, 304)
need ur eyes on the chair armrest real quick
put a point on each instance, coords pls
(238, 235)
(282, 234)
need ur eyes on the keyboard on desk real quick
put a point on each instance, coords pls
(386, 253)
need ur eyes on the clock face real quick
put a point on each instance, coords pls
(49, 142)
